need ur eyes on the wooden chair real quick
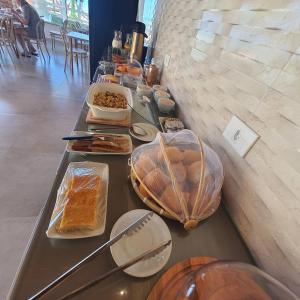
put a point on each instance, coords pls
(67, 25)
(41, 38)
(77, 52)
(54, 34)
(7, 36)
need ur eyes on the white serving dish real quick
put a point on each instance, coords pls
(152, 234)
(144, 90)
(158, 87)
(70, 143)
(165, 105)
(161, 94)
(101, 170)
(107, 113)
(151, 132)
(162, 125)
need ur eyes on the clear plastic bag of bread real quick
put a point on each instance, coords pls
(181, 174)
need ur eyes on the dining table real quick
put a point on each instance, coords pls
(76, 37)
(45, 258)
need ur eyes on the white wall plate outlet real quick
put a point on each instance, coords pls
(240, 136)
(166, 60)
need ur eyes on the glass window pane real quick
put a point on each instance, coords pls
(56, 11)
(146, 15)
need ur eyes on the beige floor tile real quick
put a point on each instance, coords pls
(14, 236)
(39, 103)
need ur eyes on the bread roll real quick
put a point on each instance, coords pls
(206, 194)
(156, 181)
(170, 199)
(190, 156)
(192, 198)
(179, 171)
(186, 197)
(144, 165)
(152, 152)
(173, 153)
(209, 187)
(194, 172)
(143, 191)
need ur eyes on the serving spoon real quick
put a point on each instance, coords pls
(138, 130)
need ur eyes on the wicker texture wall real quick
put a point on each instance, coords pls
(242, 57)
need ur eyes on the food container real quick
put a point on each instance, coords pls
(178, 176)
(109, 79)
(170, 124)
(161, 94)
(152, 74)
(115, 138)
(158, 87)
(224, 280)
(121, 68)
(100, 112)
(143, 90)
(134, 68)
(85, 169)
(165, 105)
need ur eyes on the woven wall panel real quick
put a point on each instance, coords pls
(242, 57)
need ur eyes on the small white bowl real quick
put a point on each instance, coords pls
(143, 90)
(161, 94)
(158, 87)
(165, 105)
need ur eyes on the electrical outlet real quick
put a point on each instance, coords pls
(167, 60)
(240, 136)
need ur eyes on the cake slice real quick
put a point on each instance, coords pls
(80, 211)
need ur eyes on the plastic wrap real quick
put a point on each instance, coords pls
(181, 174)
(80, 208)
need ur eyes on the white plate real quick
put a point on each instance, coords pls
(101, 170)
(70, 143)
(150, 129)
(152, 234)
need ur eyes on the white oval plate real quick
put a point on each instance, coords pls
(150, 129)
(70, 143)
(150, 235)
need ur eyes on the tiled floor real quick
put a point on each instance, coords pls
(38, 104)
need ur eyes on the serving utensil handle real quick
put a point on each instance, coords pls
(147, 254)
(63, 276)
(72, 138)
(134, 226)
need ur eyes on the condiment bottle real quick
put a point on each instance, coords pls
(117, 41)
(127, 45)
(152, 73)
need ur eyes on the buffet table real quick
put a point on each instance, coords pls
(45, 258)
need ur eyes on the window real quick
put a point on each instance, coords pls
(146, 14)
(56, 11)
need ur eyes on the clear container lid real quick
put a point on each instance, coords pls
(134, 68)
(181, 174)
(223, 280)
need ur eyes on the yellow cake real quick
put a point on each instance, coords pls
(82, 200)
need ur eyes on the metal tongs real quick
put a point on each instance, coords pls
(145, 255)
(134, 227)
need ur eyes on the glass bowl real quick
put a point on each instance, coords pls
(224, 280)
